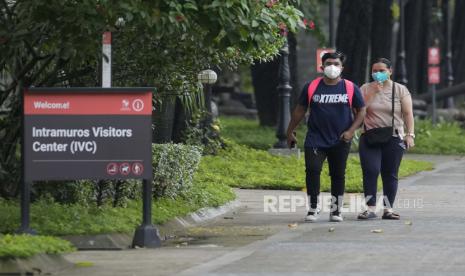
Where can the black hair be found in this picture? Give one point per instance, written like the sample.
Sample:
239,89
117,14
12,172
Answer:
335,55
382,60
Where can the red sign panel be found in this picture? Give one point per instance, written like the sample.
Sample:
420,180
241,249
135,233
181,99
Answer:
434,75
88,104
319,54
434,56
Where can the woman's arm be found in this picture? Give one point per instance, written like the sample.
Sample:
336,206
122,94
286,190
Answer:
407,114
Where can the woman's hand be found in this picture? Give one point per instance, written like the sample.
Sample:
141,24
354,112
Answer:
409,142
378,86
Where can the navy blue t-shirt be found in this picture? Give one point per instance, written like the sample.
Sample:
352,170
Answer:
330,113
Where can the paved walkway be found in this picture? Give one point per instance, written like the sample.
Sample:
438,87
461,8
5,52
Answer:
429,239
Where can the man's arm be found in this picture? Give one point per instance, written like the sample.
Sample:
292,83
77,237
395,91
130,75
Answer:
359,116
297,115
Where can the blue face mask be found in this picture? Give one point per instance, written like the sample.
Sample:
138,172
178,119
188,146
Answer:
380,76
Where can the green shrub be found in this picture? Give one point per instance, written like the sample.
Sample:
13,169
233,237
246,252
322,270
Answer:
87,192
200,132
64,191
174,166
23,246
173,169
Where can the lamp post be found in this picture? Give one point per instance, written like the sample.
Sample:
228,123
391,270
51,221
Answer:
449,102
208,78
284,89
401,69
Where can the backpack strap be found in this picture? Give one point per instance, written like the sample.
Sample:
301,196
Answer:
312,88
349,90
314,84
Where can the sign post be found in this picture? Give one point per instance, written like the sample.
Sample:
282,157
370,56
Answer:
89,133
434,76
106,59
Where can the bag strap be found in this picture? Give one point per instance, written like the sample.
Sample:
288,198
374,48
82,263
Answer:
312,88
393,95
349,90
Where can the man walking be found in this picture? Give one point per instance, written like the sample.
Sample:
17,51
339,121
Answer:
331,101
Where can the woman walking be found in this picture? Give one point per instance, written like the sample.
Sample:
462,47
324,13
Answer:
384,139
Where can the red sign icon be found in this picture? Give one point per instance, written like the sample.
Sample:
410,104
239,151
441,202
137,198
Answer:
112,168
137,168
138,105
125,169
434,56
434,75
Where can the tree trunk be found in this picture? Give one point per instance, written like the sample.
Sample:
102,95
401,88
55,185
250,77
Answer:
163,120
381,38
353,37
265,81
180,122
417,41
458,42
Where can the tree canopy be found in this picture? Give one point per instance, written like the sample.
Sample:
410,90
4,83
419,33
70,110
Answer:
162,43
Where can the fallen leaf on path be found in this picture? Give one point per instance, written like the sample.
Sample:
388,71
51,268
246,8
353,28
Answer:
408,222
377,231
292,225
331,229
84,264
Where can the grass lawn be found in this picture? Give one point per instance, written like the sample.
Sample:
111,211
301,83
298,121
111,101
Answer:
249,133
445,138
23,246
243,167
53,219
50,218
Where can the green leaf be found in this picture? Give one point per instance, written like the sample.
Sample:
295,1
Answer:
190,6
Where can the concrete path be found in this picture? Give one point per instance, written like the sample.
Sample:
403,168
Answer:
429,238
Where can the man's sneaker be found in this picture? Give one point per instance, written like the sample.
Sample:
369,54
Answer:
312,216
335,217
367,215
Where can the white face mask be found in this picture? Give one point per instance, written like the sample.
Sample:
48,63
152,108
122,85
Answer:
332,71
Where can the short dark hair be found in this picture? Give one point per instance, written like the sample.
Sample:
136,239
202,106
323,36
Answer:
335,55
382,60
